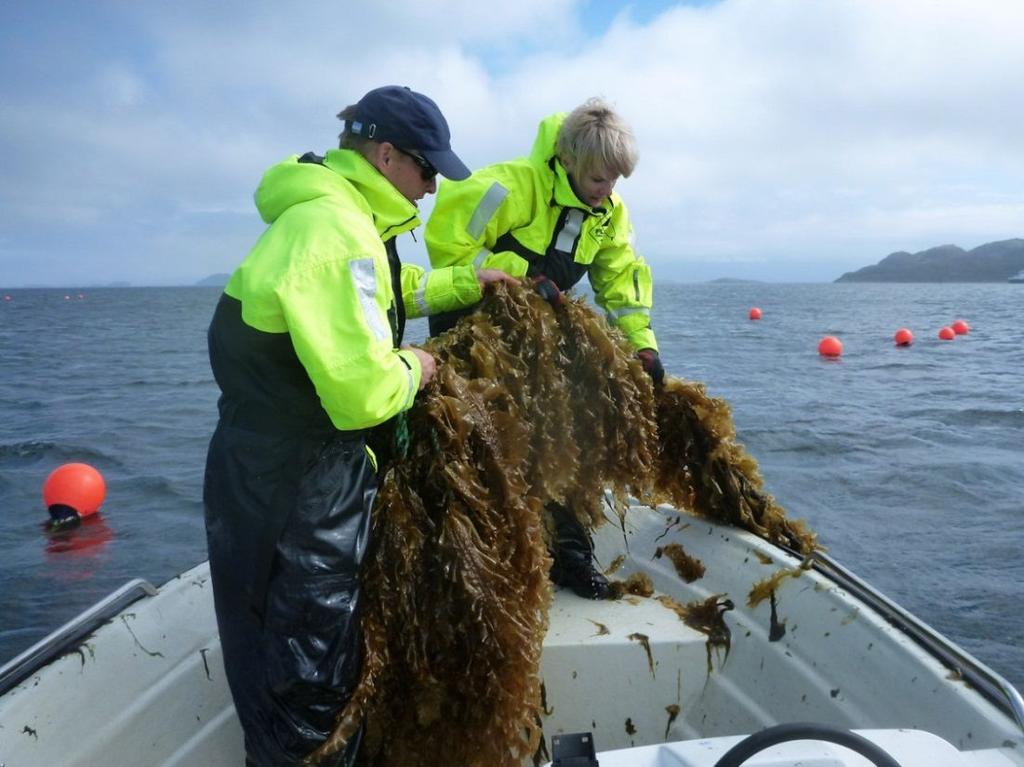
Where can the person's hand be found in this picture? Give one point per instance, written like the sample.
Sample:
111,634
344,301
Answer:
428,366
548,290
491,276
651,361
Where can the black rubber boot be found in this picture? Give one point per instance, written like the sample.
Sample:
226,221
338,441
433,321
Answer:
573,556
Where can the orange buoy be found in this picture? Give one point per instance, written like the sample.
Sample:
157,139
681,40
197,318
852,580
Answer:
960,327
947,333
73,491
755,313
903,337
830,346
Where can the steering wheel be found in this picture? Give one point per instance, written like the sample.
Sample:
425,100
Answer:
783,733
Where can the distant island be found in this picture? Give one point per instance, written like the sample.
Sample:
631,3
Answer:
993,262
215,280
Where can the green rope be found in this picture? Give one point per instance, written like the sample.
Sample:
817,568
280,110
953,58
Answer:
401,437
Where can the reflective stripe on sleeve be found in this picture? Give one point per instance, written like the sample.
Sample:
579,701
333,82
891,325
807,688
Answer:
618,314
571,230
478,262
420,297
365,277
486,209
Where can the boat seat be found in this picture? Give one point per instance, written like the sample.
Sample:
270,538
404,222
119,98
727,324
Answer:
633,645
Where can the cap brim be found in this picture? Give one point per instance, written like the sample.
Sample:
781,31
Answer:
447,163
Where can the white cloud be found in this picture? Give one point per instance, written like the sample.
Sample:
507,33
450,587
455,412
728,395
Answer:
790,129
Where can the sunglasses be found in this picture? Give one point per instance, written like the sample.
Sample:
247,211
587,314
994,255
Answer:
427,171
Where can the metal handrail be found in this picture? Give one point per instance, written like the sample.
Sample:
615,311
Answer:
997,690
70,635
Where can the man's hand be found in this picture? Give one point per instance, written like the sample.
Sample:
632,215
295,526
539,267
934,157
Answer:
651,361
548,290
428,366
491,276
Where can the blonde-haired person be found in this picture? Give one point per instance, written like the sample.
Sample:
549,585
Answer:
593,142
554,217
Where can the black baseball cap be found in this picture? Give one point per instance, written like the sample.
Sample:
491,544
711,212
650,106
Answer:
410,121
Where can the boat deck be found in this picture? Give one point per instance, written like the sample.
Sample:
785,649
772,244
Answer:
817,654
637,653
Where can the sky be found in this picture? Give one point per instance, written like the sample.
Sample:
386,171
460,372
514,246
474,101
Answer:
780,140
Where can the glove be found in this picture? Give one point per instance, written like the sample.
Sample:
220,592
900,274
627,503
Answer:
548,290
652,364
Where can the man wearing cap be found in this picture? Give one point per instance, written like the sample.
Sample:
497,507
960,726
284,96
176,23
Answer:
305,345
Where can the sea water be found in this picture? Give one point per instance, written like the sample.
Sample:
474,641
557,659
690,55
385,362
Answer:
906,461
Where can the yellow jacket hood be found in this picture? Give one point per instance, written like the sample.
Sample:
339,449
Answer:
296,180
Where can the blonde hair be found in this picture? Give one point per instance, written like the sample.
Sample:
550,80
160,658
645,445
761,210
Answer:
594,137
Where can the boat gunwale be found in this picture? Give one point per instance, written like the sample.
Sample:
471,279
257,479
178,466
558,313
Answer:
72,634
992,686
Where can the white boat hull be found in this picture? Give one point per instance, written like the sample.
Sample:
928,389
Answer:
148,687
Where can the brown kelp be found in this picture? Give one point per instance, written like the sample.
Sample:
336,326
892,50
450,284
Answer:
701,467
530,405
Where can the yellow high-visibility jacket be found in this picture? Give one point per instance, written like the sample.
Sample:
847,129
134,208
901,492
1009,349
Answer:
314,302
524,218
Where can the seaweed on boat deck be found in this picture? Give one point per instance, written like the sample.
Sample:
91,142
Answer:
616,564
645,642
529,407
688,568
767,587
637,584
673,711
707,617
602,630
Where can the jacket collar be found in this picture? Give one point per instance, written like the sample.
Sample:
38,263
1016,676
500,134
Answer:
392,213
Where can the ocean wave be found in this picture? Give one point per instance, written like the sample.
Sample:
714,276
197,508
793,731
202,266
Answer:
152,486
973,416
167,383
34,450
902,366
764,441
22,404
